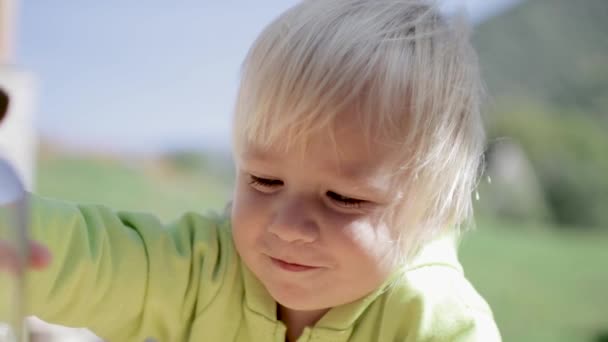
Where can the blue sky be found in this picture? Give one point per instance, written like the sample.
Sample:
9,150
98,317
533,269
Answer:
146,76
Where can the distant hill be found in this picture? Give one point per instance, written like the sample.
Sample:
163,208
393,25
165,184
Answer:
554,51
545,63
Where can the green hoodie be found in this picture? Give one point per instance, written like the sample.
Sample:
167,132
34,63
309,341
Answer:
129,277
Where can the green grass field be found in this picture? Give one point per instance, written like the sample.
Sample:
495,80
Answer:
544,284
154,187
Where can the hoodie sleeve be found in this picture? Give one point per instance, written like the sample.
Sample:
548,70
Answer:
125,276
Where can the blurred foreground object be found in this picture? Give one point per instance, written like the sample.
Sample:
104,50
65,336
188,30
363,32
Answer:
13,128
14,253
3,104
18,143
17,137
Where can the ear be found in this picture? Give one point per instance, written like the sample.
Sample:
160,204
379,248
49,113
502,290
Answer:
4,101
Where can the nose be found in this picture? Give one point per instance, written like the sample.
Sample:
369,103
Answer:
294,222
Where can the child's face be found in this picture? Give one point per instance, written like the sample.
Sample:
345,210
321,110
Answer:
313,227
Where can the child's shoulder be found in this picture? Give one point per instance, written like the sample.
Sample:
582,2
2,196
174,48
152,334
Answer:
435,294
436,273
443,291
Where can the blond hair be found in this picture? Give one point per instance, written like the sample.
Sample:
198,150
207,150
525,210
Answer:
406,73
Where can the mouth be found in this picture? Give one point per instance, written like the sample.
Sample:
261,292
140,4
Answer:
292,267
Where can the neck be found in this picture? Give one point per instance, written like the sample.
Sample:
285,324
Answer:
296,320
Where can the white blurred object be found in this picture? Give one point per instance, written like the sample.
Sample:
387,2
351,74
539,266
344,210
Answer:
42,331
18,143
18,139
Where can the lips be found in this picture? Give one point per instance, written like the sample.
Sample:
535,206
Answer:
292,267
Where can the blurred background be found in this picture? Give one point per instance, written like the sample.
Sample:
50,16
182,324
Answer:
129,105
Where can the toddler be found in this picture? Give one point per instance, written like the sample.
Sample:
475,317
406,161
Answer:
357,140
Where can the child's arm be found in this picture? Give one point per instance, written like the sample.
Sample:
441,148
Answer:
123,275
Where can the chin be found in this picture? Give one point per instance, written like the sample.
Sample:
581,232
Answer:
297,298
300,303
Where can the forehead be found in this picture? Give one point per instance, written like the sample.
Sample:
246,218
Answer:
344,150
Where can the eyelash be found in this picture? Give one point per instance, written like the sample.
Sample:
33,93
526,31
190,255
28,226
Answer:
264,182
344,201
347,202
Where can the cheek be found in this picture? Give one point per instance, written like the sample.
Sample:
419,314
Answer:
362,243
248,203
360,231
247,216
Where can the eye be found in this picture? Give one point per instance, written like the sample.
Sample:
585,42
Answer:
265,185
344,201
